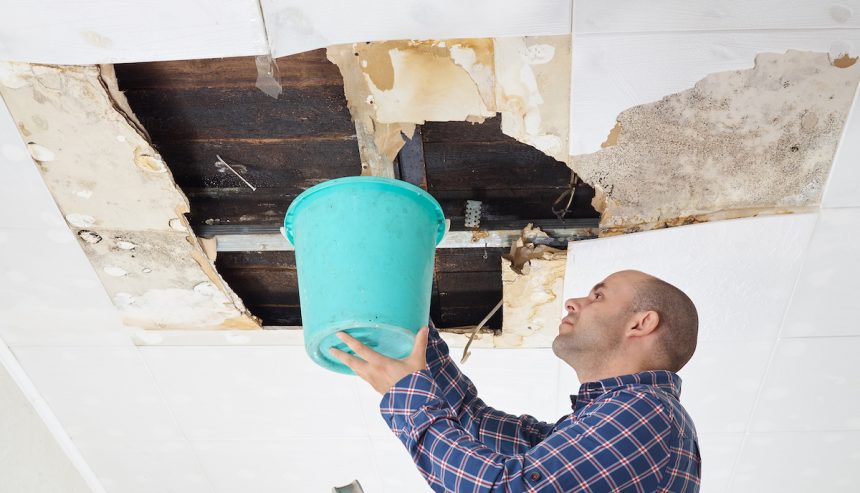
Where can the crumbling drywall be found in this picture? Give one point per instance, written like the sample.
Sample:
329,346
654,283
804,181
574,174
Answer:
739,143
118,197
393,85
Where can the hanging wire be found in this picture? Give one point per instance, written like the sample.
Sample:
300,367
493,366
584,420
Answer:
569,193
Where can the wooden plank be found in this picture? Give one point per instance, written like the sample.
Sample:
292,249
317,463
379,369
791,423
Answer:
310,68
264,286
495,165
468,315
277,314
241,205
289,165
240,113
488,131
468,260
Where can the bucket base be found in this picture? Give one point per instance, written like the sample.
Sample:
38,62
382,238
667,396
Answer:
389,340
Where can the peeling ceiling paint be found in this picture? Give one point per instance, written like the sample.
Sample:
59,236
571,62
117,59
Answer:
738,143
391,86
118,197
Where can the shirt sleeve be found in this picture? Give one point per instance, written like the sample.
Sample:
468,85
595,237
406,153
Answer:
502,432
619,441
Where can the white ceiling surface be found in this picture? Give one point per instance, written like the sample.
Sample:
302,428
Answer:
771,388
628,52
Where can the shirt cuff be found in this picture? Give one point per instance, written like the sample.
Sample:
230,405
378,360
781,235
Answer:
409,396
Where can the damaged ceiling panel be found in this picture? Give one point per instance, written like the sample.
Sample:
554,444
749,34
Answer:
118,196
199,110
393,86
737,144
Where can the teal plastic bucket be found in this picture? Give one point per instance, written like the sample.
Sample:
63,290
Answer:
365,249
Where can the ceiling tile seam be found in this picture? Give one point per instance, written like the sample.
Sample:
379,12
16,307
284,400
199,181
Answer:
47,416
854,111
768,30
771,356
173,417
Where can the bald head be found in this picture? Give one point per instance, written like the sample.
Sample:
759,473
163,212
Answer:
679,320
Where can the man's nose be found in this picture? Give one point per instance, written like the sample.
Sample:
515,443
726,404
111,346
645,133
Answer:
572,305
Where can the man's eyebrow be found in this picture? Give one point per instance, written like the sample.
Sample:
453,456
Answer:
600,285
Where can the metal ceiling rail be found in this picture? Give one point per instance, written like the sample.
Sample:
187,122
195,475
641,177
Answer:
255,238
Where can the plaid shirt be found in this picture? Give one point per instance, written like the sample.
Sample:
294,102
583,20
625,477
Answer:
626,433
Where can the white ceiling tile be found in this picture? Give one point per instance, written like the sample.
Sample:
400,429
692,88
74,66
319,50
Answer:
708,383
844,182
568,384
515,381
254,393
99,393
64,327
130,466
718,451
799,462
25,201
597,16
296,465
94,31
397,472
825,299
811,384
614,72
295,26
35,270
739,273
369,400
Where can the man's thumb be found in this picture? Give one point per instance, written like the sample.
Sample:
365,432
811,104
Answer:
420,348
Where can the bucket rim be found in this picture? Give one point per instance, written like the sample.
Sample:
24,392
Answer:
396,184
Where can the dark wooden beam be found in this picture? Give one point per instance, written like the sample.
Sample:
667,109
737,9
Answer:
411,160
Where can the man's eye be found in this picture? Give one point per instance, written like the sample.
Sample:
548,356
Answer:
596,295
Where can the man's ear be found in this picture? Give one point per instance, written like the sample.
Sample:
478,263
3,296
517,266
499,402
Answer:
644,323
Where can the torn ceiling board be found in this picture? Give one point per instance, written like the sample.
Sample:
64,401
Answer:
295,26
118,197
60,32
613,72
391,86
532,302
737,144
597,16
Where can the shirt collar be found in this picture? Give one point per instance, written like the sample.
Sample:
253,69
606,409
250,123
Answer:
665,380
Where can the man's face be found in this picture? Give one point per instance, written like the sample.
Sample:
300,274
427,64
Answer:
594,325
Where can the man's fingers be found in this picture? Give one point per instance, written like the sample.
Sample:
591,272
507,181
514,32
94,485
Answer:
360,349
355,364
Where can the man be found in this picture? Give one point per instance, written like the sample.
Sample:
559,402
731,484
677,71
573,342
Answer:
627,432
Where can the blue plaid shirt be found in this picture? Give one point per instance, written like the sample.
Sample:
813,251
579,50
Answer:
626,433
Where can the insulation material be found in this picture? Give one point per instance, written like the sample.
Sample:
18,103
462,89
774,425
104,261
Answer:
738,143
393,85
118,197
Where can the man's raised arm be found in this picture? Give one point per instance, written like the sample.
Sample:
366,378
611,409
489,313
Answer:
504,433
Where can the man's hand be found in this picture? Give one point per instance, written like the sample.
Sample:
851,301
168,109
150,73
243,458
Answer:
378,370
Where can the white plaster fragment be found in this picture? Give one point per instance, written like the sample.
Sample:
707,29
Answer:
84,194
125,245
176,224
80,220
115,271
41,153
